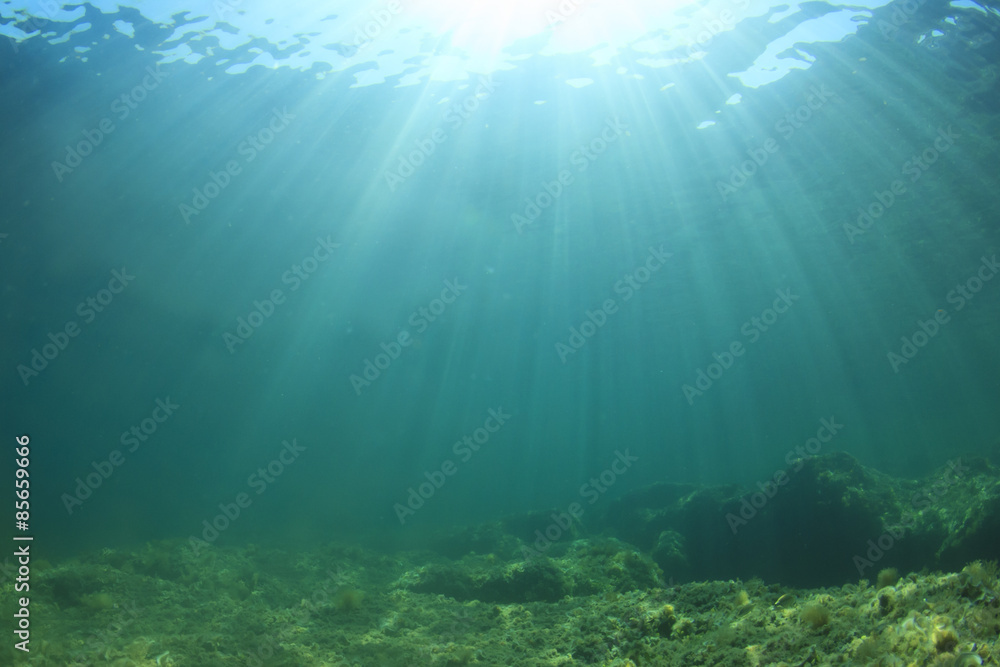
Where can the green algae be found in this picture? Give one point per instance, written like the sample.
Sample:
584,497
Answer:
257,606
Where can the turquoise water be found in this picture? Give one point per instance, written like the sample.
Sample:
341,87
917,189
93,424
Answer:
337,274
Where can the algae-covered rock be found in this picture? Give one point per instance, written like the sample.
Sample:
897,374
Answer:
539,580
670,553
586,567
823,520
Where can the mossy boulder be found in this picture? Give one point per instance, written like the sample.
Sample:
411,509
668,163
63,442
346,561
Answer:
823,520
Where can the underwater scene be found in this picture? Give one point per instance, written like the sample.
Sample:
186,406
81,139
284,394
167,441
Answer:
536,333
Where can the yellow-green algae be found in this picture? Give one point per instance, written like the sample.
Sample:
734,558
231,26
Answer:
346,606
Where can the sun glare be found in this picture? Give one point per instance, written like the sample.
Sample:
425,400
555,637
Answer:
474,25
491,26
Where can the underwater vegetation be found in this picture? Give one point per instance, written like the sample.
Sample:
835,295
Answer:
887,577
477,597
340,605
348,600
815,616
833,521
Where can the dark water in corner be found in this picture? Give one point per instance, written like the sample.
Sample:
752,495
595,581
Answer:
485,259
